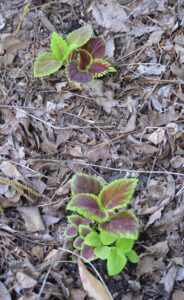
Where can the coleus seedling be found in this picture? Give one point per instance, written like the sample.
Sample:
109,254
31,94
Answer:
102,228
81,55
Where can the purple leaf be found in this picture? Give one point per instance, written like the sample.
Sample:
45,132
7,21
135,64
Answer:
124,224
118,193
83,183
74,74
76,220
71,231
88,206
87,252
84,230
100,67
85,59
95,46
78,243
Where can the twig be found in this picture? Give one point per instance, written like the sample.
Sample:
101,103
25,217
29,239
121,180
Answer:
80,162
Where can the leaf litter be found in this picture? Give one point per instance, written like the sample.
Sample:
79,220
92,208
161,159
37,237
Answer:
128,124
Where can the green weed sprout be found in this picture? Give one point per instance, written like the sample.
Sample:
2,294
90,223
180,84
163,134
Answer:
81,55
102,228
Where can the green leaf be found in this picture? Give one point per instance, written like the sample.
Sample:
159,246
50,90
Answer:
46,64
107,238
102,252
116,261
59,46
79,37
125,245
92,239
133,257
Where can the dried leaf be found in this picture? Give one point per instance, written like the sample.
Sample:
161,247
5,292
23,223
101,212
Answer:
169,279
111,16
76,294
10,170
92,286
32,218
25,281
10,45
177,162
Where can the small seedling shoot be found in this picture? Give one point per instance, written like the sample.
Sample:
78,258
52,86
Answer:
101,227
81,56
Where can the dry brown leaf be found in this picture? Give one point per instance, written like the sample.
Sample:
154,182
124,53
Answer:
111,16
32,218
10,170
177,162
92,286
147,264
169,279
160,249
76,294
157,136
178,295
38,252
25,281
155,216
10,45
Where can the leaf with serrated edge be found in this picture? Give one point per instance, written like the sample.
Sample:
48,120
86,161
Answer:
95,46
133,257
71,231
125,245
100,67
88,206
117,194
46,64
92,239
102,252
76,220
116,261
59,46
83,183
84,230
92,286
85,58
78,243
80,36
75,75
123,224
87,252
107,238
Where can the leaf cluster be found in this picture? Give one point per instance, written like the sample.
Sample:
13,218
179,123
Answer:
103,228
81,55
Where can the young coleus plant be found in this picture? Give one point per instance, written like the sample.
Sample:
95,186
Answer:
103,228
81,55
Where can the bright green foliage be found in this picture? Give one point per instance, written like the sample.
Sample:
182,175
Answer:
133,257
59,46
46,64
102,252
79,37
116,261
81,56
102,232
